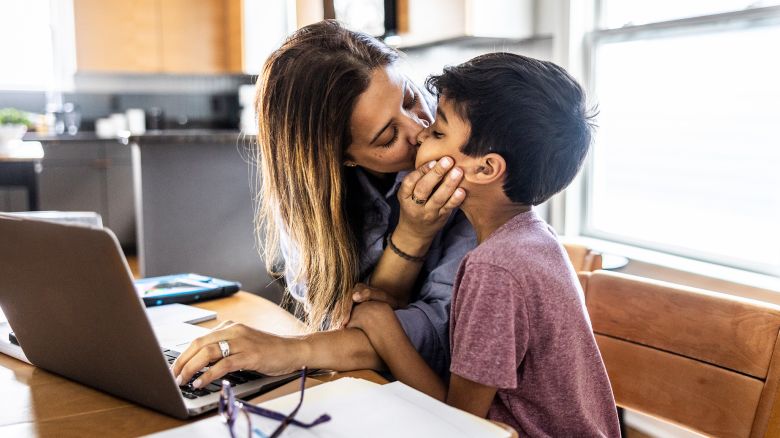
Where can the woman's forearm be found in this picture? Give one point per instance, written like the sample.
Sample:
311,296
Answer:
426,199
339,350
395,274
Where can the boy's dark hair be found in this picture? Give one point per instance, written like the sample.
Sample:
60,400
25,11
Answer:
530,112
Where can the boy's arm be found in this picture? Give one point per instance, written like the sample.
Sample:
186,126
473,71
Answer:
389,340
470,396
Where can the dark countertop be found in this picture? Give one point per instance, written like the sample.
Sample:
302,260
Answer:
81,137
200,136
216,136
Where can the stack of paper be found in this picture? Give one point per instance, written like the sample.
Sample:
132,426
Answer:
6,347
359,408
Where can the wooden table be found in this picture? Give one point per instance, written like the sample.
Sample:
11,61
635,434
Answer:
21,167
34,402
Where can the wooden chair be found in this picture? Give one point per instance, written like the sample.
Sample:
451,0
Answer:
582,258
584,261
703,360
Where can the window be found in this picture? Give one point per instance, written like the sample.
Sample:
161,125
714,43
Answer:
38,45
619,13
687,153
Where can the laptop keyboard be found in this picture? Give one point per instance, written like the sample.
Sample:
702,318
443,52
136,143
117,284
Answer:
235,378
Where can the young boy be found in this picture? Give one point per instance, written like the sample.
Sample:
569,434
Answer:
522,347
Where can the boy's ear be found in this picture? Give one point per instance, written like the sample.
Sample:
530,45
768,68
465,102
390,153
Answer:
487,169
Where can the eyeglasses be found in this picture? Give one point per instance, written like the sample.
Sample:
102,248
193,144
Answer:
235,414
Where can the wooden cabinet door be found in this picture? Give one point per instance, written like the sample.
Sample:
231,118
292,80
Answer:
117,35
201,36
154,36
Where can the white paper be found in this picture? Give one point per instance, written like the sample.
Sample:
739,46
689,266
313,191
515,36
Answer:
469,424
361,409
6,347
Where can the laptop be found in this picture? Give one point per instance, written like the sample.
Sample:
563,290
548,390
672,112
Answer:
68,293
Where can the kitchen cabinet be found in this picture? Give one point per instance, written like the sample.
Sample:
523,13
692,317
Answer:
13,199
427,21
117,35
120,203
95,176
202,36
197,208
158,36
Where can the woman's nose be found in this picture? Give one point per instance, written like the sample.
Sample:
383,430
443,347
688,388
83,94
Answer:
422,136
414,127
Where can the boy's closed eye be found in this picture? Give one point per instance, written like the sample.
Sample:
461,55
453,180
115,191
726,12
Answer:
435,129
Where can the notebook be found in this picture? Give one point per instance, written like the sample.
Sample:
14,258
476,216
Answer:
359,408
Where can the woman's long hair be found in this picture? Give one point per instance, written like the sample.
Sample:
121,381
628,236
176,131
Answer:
305,100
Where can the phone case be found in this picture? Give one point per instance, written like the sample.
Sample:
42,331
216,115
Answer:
183,288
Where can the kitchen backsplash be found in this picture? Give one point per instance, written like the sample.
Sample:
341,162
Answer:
186,101
211,101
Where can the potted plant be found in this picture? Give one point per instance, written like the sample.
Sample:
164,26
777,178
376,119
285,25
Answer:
13,125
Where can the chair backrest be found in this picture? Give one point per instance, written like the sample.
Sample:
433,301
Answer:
703,360
582,257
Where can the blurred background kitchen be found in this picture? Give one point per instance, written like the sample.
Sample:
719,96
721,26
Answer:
142,112
684,165
686,148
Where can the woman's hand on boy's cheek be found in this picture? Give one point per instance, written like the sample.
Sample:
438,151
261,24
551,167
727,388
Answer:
362,293
427,197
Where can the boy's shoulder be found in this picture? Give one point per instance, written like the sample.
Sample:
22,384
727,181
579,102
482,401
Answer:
524,241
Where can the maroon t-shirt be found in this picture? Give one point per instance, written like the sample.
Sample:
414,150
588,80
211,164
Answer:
518,323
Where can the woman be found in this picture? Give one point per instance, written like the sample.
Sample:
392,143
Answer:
338,127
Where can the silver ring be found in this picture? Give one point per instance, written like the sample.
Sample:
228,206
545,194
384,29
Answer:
418,201
224,347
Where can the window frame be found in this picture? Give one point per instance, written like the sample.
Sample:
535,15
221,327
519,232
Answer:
580,202
62,33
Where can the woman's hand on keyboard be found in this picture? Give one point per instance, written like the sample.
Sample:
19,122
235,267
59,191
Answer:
250,349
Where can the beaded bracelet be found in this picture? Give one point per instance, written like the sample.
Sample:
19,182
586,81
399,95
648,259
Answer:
402,254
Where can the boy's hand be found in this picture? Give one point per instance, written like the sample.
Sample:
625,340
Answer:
362,293
370,315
